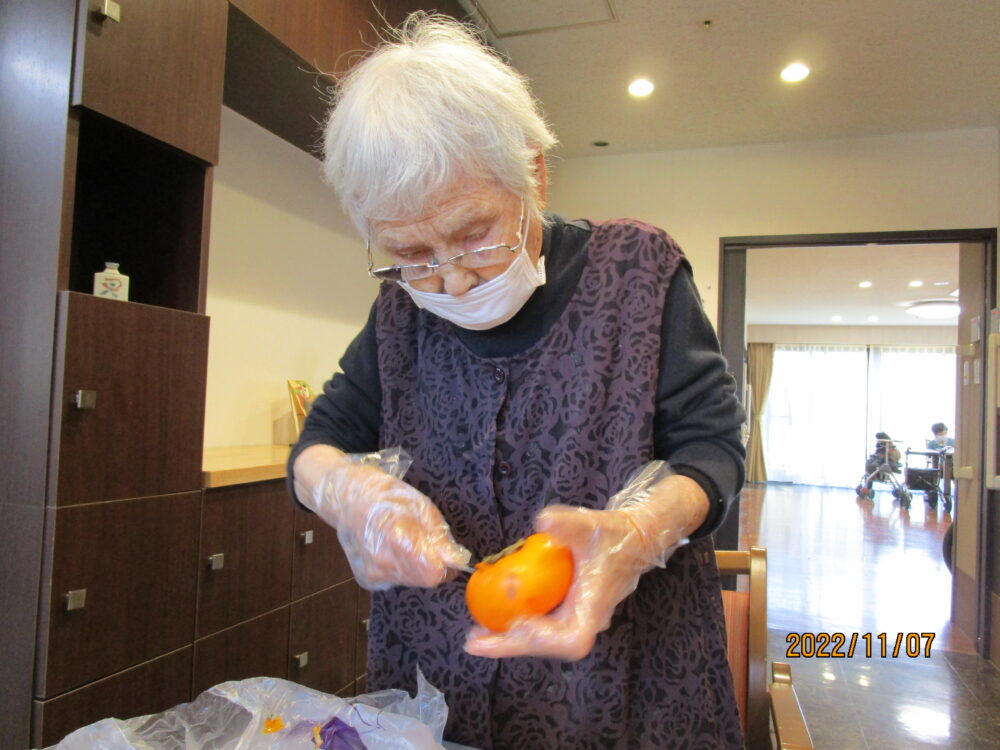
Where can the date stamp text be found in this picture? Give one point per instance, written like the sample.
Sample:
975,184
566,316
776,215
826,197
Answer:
849,645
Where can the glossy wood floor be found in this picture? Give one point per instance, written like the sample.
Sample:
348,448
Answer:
838,564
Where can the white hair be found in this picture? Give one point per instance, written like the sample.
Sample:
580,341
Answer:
431,107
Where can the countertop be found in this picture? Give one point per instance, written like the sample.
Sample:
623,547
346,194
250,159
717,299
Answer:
241,464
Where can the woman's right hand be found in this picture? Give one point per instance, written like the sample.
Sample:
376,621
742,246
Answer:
392,534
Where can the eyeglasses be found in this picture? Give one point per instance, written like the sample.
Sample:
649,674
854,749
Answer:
479,258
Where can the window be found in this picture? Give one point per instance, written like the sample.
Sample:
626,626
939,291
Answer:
827,402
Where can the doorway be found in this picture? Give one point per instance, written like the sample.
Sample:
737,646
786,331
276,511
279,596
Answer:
975,604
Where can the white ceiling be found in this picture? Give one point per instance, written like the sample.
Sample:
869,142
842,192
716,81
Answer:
809,285
878,67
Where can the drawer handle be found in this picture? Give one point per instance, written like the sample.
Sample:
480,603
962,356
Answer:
307,536
365,623
302,659
110,9
216,561
76,599
85,399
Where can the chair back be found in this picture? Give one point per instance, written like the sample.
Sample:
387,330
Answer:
746,639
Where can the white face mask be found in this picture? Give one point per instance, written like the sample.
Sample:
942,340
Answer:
491,303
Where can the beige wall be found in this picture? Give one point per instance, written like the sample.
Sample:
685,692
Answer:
855,335
944,180
287,288
286,284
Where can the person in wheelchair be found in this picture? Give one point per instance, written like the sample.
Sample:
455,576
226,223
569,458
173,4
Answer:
940,441
936,478
884,461
882,466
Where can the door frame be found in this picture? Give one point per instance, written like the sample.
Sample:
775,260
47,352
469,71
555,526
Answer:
732,337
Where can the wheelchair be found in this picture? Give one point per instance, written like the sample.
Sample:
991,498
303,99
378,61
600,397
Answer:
927,478
884,466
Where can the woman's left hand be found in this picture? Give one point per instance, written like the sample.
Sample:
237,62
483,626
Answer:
609,553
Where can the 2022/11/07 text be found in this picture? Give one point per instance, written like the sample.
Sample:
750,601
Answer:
846,645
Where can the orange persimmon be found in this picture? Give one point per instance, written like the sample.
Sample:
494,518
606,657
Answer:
528,578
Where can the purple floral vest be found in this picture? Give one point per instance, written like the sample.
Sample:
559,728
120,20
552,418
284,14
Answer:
496,440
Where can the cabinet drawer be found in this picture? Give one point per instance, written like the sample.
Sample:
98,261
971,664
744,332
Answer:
145,689
322,642
145,367
122,588
256,648
250,526
364,612
158,68
318,560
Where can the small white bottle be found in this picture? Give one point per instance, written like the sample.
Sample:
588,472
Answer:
111,284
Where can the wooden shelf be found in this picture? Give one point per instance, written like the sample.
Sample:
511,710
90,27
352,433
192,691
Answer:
243,464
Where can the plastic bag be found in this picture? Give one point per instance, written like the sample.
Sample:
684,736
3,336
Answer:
267,713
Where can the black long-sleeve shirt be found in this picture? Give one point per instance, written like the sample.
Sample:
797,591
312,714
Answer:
698,417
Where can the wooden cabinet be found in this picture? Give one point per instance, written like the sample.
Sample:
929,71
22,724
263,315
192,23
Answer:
110,127
318,560
324,34
361,660
255,648
125,514
246,554
156,67
131,404
322,640
141,204
147,688
122,588
116,591
281,600
280,56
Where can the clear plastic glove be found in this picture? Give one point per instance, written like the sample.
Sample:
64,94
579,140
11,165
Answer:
611,548
392,534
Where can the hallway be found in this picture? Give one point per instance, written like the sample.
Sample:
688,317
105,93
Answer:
838,564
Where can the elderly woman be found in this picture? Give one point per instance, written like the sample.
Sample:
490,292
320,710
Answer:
529,366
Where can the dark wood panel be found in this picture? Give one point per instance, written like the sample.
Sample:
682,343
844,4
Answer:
323,628
324,34
276,52
146,689
37,43
271,85
148,366
318,560
256,648
158,70
136,560
141,204
364,612
251,526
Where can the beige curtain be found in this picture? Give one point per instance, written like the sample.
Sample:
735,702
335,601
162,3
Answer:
760,360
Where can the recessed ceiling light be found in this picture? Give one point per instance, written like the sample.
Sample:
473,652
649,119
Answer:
794,73
599,144
916,282
640,87
864,284
836,318
934,309
941,283
872,318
